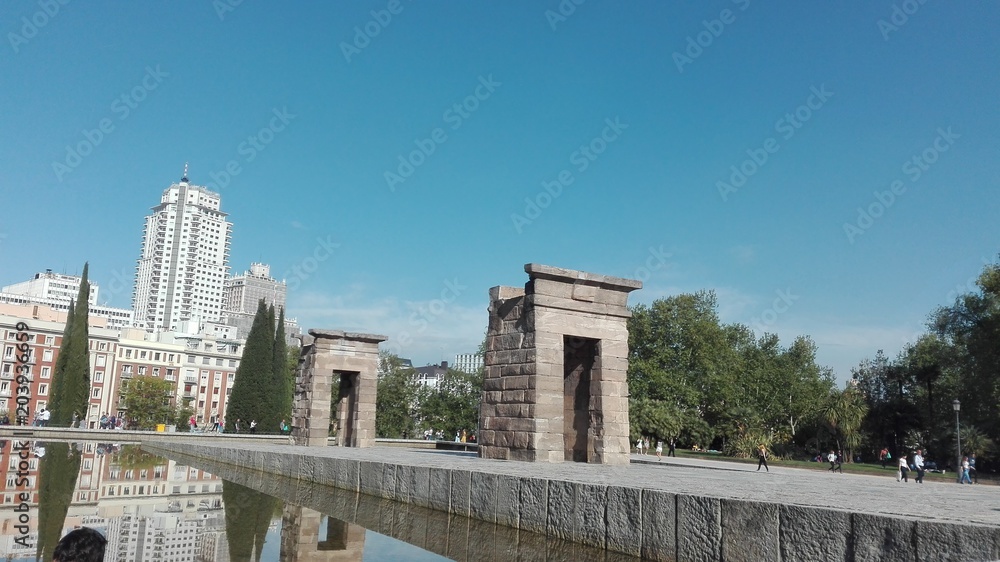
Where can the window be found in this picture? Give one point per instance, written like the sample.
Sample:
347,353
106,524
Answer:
191,359
43,390
218,361
128,354
170,357
101,361
142,370
98,376
127,370
218,376
206,360
215,390
47,355
142,354
232,362
231,377
103,346
9,353
46,372
50,340
96,394
156,356
156,371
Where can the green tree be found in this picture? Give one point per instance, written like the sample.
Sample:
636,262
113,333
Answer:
844,412
70,389
253,394
148,401
454,404
281,378
397,403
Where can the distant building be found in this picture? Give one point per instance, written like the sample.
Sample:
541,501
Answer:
431,375
468,362
184,260
56,291
241,293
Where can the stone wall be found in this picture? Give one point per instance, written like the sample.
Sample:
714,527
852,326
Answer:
654,524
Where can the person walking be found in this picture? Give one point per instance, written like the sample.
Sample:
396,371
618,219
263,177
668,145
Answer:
762,458
253,426
638,446
903,469
659,450
972,469
965,471
834,462
672,448
645,446
883,456
918,465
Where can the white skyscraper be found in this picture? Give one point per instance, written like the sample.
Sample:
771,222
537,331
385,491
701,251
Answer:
184,262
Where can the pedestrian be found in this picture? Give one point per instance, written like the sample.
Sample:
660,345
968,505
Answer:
835,462
104,420
645,445
283,428
76,419
965,471
638,446
659,450
215,425
762,458
918,465
193,422
883,455
253,426
672,448
237,425
112,422
903,469
972,469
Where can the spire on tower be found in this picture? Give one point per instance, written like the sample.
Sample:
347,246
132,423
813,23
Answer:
185,178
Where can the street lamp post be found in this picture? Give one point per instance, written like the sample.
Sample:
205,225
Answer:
956,405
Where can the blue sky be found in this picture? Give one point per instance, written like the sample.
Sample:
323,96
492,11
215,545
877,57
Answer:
646,110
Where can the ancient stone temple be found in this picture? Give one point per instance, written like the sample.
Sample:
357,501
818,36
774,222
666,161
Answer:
556,359
336,368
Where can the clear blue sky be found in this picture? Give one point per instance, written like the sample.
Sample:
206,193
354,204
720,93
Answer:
197,85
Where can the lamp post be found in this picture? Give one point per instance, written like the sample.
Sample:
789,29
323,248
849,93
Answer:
956,405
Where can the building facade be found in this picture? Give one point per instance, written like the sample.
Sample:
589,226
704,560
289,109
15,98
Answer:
468,362
184,260
57,291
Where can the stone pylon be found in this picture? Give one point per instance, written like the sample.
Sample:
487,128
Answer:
336,368
556,361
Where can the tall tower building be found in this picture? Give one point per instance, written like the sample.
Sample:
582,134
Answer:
184,263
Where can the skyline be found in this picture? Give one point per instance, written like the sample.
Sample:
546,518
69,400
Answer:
828,173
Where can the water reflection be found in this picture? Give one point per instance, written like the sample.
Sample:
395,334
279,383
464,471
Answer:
154,508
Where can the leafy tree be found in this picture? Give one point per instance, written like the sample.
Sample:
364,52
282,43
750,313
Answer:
70,389
148,401
282,379
844,412
253,396
454,404
397,403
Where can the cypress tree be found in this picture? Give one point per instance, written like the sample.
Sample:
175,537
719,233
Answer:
71,383
57,474
279,376
252,395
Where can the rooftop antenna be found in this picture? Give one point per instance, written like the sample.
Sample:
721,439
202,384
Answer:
185,178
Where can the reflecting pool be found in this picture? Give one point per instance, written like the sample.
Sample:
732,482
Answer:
186,509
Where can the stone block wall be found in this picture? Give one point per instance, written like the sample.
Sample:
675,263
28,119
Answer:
532,332
654,524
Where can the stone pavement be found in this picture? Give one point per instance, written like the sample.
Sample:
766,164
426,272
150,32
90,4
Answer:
875,495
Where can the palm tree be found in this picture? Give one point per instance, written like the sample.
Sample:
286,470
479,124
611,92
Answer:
844,412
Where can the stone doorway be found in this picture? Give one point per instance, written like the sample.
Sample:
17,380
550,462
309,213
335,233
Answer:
347,403
579,359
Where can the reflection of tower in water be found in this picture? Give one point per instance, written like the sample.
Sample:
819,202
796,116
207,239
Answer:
301,540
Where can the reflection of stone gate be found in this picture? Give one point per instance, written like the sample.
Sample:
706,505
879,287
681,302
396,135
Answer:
345,362
300,537
556,359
